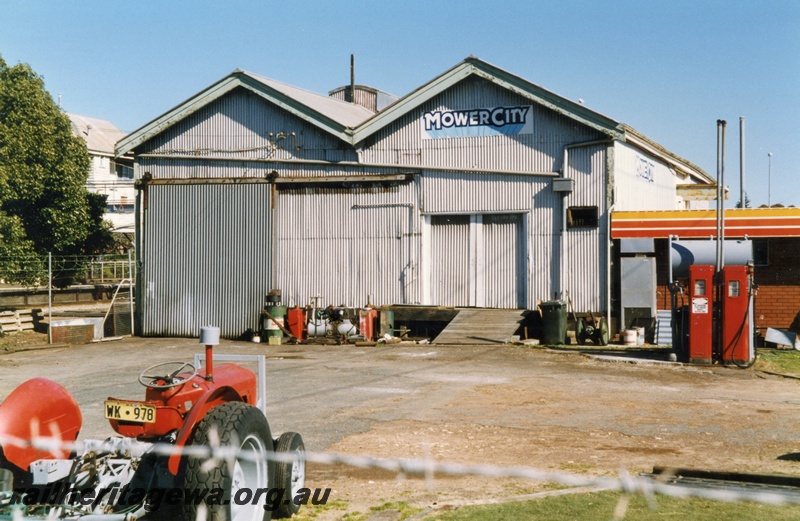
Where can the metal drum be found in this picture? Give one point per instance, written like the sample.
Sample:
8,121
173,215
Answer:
271,327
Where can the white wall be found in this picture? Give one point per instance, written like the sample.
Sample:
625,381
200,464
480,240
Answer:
642,182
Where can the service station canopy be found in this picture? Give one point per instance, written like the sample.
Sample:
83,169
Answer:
739,223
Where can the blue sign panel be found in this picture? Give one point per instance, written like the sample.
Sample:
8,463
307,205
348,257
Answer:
478,122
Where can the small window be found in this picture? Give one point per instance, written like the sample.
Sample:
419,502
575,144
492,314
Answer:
449,219
761,252
582,217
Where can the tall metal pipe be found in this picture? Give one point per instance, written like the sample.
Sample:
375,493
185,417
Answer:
722,200
719,190
741,162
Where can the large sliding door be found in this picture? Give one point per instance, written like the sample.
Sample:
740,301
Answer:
478,260
450,266
504,260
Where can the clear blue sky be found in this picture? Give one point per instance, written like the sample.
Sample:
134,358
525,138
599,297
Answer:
670,69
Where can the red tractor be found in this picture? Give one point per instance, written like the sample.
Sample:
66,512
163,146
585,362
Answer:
139,472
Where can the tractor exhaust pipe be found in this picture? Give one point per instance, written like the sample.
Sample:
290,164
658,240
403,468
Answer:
209,336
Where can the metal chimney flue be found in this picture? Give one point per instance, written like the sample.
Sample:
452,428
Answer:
351,94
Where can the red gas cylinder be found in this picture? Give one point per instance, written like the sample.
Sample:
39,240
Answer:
366,322
296,321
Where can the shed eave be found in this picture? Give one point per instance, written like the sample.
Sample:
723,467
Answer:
554,102
216,91
683,166
176,114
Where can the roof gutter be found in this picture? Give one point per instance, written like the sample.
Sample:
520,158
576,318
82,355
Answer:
348,164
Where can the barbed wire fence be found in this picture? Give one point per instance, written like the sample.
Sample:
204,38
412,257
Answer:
427,468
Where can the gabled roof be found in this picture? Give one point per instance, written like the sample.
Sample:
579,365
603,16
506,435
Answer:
331,115
347,114
353,124
474,66
100,135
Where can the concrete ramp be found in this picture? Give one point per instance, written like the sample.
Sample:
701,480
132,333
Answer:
481,326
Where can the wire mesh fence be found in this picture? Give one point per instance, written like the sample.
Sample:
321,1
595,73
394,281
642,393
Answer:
63,270
100,287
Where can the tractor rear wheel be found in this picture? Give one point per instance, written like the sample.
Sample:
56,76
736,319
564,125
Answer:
602,335
580,331
290,475
237,425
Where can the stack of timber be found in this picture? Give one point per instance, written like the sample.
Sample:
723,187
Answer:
15,321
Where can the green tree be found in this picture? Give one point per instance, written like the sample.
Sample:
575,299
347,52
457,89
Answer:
44,204
746,202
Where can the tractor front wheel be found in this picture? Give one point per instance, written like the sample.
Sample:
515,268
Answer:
239,425
290,476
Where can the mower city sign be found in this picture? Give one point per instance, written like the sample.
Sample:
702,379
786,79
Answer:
478,122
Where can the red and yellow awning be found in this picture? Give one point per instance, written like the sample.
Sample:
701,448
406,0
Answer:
750,222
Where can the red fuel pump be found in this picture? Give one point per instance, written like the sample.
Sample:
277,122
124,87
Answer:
736,328
701,307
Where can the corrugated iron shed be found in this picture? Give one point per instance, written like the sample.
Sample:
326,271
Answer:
281,187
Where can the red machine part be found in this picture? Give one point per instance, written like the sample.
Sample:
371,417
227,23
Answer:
701,286
296,321
367,319
735,314
38,407
175,405
181,408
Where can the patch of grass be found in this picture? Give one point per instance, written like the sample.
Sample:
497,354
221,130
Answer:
601,507
779,361
11,342
577,468
404,508
309,512
524,488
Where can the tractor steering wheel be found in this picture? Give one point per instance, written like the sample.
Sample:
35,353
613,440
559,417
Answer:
170,379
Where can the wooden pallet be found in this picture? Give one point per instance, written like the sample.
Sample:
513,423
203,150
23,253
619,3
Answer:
16,320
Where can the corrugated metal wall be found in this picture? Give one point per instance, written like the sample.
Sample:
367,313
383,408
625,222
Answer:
206,258
346,244
365,96
584,269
